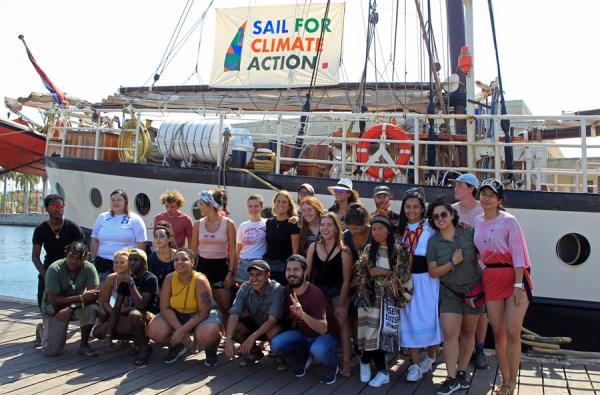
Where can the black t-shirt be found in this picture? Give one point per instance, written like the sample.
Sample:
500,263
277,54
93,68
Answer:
159,268
148,283
279,240
44,236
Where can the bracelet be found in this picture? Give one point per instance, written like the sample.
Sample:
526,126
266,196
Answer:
452,263
82,302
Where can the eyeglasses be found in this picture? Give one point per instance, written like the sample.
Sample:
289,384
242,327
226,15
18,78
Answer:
442,215
56,206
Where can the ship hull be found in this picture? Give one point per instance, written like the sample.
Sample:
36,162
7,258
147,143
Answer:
564,295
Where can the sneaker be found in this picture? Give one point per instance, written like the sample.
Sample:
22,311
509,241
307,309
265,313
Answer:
449,386
380,379
252,358
174,353
414,373
210,356
463,379
426,364
365,372
480,360
301,372
330,376
143,357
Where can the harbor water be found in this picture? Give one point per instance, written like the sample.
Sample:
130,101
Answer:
18,276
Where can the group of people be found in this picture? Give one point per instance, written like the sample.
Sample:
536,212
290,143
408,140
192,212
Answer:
307,281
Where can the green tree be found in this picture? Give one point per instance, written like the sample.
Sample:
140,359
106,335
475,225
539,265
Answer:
6,177
26,182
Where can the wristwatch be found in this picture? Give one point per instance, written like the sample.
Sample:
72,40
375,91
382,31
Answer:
73,306
519,285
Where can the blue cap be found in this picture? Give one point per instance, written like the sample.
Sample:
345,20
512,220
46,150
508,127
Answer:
469,179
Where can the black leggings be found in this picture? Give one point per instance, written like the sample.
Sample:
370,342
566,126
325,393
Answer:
377,356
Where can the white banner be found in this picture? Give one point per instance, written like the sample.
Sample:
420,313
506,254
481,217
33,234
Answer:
276,46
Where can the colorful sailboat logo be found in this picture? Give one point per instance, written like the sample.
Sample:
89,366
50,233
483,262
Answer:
233,58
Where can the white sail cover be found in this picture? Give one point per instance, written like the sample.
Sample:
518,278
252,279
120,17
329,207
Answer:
276,46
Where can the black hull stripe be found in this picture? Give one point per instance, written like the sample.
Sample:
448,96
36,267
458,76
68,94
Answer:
531,200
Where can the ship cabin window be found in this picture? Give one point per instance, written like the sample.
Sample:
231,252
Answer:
196,210
573,249
60,190
95,197
142,203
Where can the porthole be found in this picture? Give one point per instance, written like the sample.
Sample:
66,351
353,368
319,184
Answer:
573,249
95,197
60,190
142,203
196,210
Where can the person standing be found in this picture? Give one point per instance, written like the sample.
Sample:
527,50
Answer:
452,257
311,210
214,240
53,235
304,190
467,208
283,238
330,269
255,313
358,233
344,196
383,288
181,223
313,328
382,197
71,292
419,320
251,238
506,282
115,230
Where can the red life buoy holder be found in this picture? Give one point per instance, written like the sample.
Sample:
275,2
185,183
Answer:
392,132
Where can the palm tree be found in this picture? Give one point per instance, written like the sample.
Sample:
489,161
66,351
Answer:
6,177
26,182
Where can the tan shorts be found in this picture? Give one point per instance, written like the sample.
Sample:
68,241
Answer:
451,303
54,335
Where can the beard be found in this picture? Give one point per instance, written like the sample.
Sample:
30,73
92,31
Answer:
295,282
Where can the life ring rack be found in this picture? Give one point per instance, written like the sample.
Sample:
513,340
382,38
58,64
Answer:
389,131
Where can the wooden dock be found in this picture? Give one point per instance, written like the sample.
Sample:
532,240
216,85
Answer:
23,369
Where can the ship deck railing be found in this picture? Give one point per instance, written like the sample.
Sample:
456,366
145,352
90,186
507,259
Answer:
282,126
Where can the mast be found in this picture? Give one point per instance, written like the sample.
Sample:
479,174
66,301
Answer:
455,19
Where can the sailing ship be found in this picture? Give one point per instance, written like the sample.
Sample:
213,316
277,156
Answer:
305,127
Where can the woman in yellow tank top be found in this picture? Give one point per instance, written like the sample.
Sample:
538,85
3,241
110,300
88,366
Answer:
186,306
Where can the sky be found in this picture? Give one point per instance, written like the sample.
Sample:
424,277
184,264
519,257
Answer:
90,49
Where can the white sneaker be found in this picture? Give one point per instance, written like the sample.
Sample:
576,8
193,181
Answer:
426,364
365,372
380,379
414,373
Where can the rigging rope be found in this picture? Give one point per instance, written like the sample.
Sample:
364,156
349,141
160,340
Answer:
504,123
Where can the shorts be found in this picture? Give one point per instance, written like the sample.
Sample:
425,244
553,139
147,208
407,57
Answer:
453,304
331,292
215,270
242,270
214,317
499,280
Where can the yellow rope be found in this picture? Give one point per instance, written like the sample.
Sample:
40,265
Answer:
127,141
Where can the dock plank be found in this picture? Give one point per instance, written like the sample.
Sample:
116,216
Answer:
24,369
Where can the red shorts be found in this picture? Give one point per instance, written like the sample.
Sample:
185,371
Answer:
498,282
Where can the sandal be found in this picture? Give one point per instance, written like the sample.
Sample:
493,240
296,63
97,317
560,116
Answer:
504,389
87,351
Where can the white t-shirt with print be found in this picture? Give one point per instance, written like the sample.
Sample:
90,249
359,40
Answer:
252,237
117,232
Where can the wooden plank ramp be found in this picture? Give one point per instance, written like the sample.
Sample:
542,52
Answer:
25,370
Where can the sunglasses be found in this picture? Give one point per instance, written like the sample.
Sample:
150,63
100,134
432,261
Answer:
442,215
56,206
340,190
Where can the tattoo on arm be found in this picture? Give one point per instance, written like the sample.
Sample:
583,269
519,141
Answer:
205,298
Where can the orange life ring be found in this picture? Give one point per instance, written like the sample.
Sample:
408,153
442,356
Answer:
392,132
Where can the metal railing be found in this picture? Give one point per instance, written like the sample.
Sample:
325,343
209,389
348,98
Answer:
417,122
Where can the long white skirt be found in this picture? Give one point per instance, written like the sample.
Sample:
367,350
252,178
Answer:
419,320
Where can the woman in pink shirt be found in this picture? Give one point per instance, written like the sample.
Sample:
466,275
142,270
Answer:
502,248
214,240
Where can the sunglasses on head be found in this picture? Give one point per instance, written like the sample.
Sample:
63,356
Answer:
442,215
